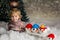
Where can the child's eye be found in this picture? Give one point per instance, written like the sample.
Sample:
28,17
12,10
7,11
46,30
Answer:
15,16
12,17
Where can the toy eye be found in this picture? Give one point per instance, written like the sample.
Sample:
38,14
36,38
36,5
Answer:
33,29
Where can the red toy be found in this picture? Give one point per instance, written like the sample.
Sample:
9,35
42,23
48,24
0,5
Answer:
51,36
29,27
42,27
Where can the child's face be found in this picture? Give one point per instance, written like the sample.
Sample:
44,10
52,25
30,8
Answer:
15,17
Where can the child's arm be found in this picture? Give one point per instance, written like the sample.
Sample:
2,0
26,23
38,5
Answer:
22,27
9,27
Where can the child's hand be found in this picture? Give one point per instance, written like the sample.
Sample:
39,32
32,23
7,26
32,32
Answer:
17,29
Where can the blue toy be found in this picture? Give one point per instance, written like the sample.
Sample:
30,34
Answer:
35,28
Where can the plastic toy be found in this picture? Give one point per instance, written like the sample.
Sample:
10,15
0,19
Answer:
51,36
42,27
29,27
35,28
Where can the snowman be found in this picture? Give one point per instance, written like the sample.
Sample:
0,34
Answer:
29,28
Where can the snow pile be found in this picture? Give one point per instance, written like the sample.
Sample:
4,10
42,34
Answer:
14,35
4,37
54,26
20,36
2,30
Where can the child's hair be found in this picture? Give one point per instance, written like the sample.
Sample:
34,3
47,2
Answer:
15,11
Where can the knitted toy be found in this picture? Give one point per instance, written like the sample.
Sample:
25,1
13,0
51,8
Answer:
51,36
29,27
35,28
43,27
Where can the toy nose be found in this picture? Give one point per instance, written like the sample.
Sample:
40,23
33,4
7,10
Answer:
42,30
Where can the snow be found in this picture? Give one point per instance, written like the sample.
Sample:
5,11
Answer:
2,30
12,35
4,37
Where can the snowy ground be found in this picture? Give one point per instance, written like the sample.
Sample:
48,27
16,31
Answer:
53,24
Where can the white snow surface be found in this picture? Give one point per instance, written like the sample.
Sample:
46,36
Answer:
12,35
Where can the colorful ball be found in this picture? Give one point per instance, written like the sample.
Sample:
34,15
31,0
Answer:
35,26
29,25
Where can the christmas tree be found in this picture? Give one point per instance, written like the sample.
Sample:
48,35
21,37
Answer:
7,5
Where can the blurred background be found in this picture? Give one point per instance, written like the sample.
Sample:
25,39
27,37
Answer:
45,9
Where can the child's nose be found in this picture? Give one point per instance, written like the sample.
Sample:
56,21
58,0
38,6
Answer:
14,17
